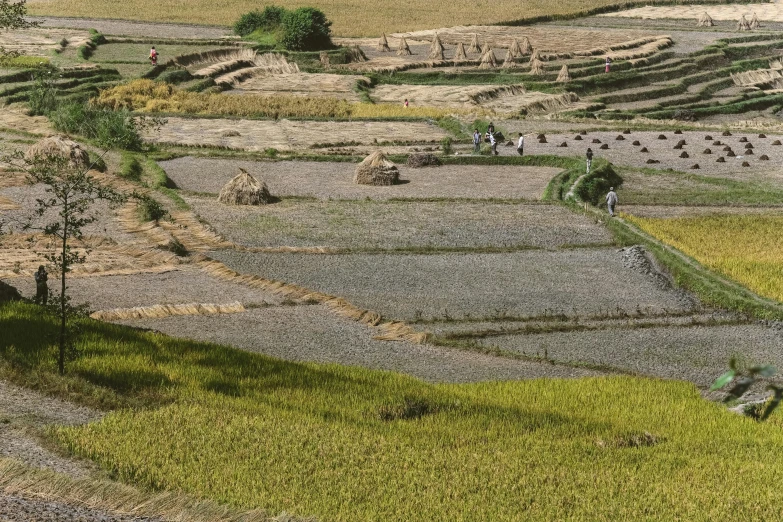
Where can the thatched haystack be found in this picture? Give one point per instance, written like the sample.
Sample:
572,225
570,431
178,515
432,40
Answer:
474,45
754,21
514,50
460,55
244,189
376,170
742,24
323,56
383,44
403,49
417,161
436,48
536,66
488,60
509,59
705,20
59,147
525,47
564,75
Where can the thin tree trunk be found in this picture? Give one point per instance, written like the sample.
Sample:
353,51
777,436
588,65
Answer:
63,267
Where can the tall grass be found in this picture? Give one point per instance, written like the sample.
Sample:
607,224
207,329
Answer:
746,248
346,443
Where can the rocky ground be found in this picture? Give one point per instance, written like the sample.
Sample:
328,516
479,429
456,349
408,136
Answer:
331,180
15,508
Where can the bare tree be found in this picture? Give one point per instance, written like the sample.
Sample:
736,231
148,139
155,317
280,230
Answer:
67,208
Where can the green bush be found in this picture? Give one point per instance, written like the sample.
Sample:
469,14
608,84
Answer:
306,29
175,76
445,144
267,20
111,129
43,96
130,168
596,184
150,209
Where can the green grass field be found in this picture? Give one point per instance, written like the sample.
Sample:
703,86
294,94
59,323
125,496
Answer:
335,442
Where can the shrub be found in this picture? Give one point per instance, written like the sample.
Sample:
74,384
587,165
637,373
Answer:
43,96
266,20
684,115
130,168
306,29
109,128
445,144
175,76
150,209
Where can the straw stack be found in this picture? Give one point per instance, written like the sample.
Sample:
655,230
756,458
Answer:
488,60
564,75
436,48
244,189
460,55
383,44
514,50
376,170
525,47
474,45
754,22
742,24
59,147
403,49
705,20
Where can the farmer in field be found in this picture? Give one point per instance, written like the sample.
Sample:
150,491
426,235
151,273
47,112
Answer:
41,286
611,201
493,143
589,157
521,144
405,103
476,141
490,129
608,63
153,56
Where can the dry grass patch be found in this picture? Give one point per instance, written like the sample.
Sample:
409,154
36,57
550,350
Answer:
41,42
339,86
770,12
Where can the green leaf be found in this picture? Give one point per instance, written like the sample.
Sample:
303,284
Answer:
723,380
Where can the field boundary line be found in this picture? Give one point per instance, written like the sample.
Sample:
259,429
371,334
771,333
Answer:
159,311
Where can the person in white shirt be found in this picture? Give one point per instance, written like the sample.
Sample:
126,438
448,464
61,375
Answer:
611,201
521,144
493,143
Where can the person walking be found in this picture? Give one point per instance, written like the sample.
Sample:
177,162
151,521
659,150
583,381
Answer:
476,141
608,63
41,286
493,144
589,157
153,56
611,201
521,144
405,103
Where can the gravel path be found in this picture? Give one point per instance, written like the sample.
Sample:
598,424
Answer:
129,28
625,153
334,180
583,281
187,285
312,333
698,354
20,509
396,225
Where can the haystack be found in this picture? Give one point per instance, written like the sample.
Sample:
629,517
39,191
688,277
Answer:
436,48
376,170
244,189
460,54
474,45
488,60
403,49
59,147
754,22
526,48
323,56
705,20
509,60
514,50
383,44
742,24
417,161
536,66
564,76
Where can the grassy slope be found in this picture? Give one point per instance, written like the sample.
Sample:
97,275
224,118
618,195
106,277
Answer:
305,438
350,17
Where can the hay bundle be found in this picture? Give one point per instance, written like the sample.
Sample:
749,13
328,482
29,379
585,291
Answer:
59,147
695,166
376,170
514,50
525,47
417,161
244,189
643,149
564,76
742,24
509,59
536,66
474,45
705,20
460,55
488,60
403,49
764,157
754,21
383,44
436,48
720,160
323,56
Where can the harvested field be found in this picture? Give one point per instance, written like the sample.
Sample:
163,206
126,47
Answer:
325,180
625,153
511,98
131,28
312,333
302,84
697,353
183,286
17,119
405,287
768,12
665,211
258,135
138,52
400,225
41,42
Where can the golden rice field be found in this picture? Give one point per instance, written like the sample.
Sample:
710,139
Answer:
155,97
350,17
748,249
